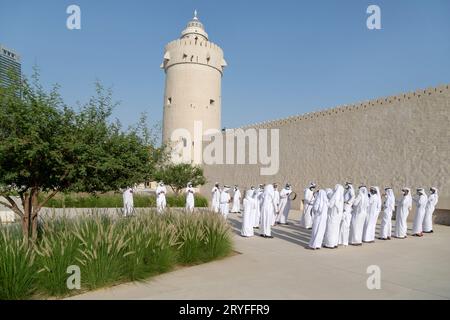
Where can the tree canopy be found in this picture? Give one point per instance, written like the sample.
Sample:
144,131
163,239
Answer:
47,146
177,176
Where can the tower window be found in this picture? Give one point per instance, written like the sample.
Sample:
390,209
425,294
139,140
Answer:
184,142
169,101
212,102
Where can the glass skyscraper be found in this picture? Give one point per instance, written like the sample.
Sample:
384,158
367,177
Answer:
9,64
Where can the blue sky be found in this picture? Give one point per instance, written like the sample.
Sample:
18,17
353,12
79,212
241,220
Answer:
284,57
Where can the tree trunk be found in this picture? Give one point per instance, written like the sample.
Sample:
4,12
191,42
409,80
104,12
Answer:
30,214
34,214
26,203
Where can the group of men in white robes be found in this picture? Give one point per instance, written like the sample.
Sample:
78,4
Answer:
264,207
341,218
221,199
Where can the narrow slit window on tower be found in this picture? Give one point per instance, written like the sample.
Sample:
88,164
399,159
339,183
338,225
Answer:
184,142
169,101
211,102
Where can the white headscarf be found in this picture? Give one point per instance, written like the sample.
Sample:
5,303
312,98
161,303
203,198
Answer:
408,197
338,196
268,190
390,199
321,201
436,193
364,197
329,193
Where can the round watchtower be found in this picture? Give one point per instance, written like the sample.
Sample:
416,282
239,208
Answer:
194,67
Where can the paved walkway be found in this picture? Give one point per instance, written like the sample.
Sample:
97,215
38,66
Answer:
281,268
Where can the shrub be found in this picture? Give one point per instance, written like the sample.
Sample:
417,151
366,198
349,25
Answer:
108,249
74,200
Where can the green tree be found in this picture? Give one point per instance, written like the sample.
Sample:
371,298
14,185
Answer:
47,147
177,176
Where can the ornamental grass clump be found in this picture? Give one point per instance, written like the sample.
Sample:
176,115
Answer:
17,265
107,248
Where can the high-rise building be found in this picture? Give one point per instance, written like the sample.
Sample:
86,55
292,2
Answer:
194,67
9,65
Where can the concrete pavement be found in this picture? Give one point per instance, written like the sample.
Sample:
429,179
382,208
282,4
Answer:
282,268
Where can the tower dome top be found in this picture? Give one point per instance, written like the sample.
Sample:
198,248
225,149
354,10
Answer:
194,28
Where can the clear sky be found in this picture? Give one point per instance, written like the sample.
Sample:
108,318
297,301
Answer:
284,57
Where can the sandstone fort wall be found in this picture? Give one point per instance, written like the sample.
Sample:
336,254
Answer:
396,141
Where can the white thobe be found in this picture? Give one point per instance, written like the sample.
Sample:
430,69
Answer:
307,219
190,201
421,203
344,232
267,211
224,203
247,216
285,206
370,222
215,199
401,216
236,202
320,212
128,202
335,213
429,210
359,214
161,198
276,200
386,219
258,203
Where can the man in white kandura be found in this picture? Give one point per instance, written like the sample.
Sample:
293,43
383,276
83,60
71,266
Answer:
258,202
261,196
267,211
429,210
236,200
225,201
349,198
128,202
161,197
335,213
277,203
285,205
190,201
421,202
308,200
320,214
359,214
386,219
401,214
373,212
248,219
215,202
